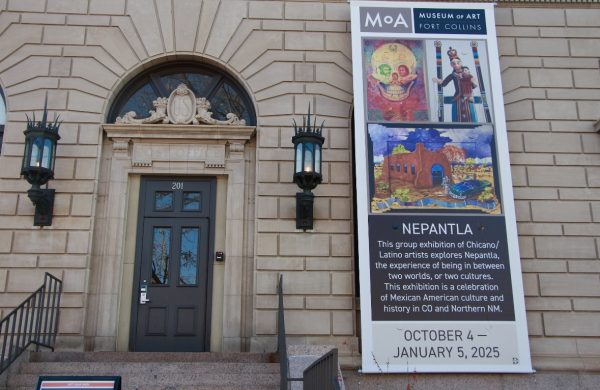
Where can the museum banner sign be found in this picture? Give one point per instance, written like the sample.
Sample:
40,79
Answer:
440,276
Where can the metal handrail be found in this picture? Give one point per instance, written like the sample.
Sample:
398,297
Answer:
35,321
323,373
281,343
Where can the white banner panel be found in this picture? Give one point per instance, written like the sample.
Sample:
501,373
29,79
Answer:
440,275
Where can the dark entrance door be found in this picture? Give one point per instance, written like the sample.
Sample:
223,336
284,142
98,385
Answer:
437,175
173,271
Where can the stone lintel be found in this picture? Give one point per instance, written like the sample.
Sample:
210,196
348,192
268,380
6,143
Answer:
205,133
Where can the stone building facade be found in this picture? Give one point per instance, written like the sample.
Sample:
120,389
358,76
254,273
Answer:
80,54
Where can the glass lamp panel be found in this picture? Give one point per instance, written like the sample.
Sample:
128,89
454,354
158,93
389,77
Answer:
298,157
308,157
53,160
36,150
317,158
26,153
47,154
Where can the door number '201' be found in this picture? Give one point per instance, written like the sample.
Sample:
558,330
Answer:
177,185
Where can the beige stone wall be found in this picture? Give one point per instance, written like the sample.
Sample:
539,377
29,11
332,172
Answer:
551,81
287,55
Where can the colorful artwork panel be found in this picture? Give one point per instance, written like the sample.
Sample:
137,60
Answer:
395,80
459,82
427,168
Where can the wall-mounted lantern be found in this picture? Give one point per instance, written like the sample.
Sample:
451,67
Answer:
41,139
307,172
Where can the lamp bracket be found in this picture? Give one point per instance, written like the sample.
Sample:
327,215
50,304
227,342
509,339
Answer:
304,210
43,199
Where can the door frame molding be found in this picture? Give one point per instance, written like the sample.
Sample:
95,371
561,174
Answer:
130,151
212,181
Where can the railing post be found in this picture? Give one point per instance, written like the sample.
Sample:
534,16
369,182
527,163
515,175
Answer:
40,309
56,309
323,373
281,342
34,321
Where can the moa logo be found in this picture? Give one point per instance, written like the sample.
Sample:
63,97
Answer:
383,19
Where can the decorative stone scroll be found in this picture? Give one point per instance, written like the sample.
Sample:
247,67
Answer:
182,107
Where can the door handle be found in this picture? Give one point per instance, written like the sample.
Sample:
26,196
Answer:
143,298
144,294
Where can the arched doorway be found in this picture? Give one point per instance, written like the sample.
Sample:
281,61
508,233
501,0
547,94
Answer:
179,192
437,175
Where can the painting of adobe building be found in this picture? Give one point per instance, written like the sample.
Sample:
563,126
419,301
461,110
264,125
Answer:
432,169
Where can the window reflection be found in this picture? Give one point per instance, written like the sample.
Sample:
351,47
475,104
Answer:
188,258
227,100
191,201
2,117
140,102
163,200
161,251
2,109
200,84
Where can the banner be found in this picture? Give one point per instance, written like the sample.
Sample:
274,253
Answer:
440,276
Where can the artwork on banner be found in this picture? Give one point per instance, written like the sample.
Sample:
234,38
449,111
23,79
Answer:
459,83
429,168
395,79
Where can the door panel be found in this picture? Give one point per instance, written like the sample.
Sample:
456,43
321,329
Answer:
173,266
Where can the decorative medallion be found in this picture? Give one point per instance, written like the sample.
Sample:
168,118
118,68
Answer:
182,107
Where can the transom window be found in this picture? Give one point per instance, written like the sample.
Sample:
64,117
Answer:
223,92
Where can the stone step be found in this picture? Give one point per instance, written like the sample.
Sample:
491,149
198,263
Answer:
155,371
147,368
179,387
230,357
178,381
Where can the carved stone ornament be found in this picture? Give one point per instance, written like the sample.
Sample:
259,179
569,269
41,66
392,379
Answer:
182,107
